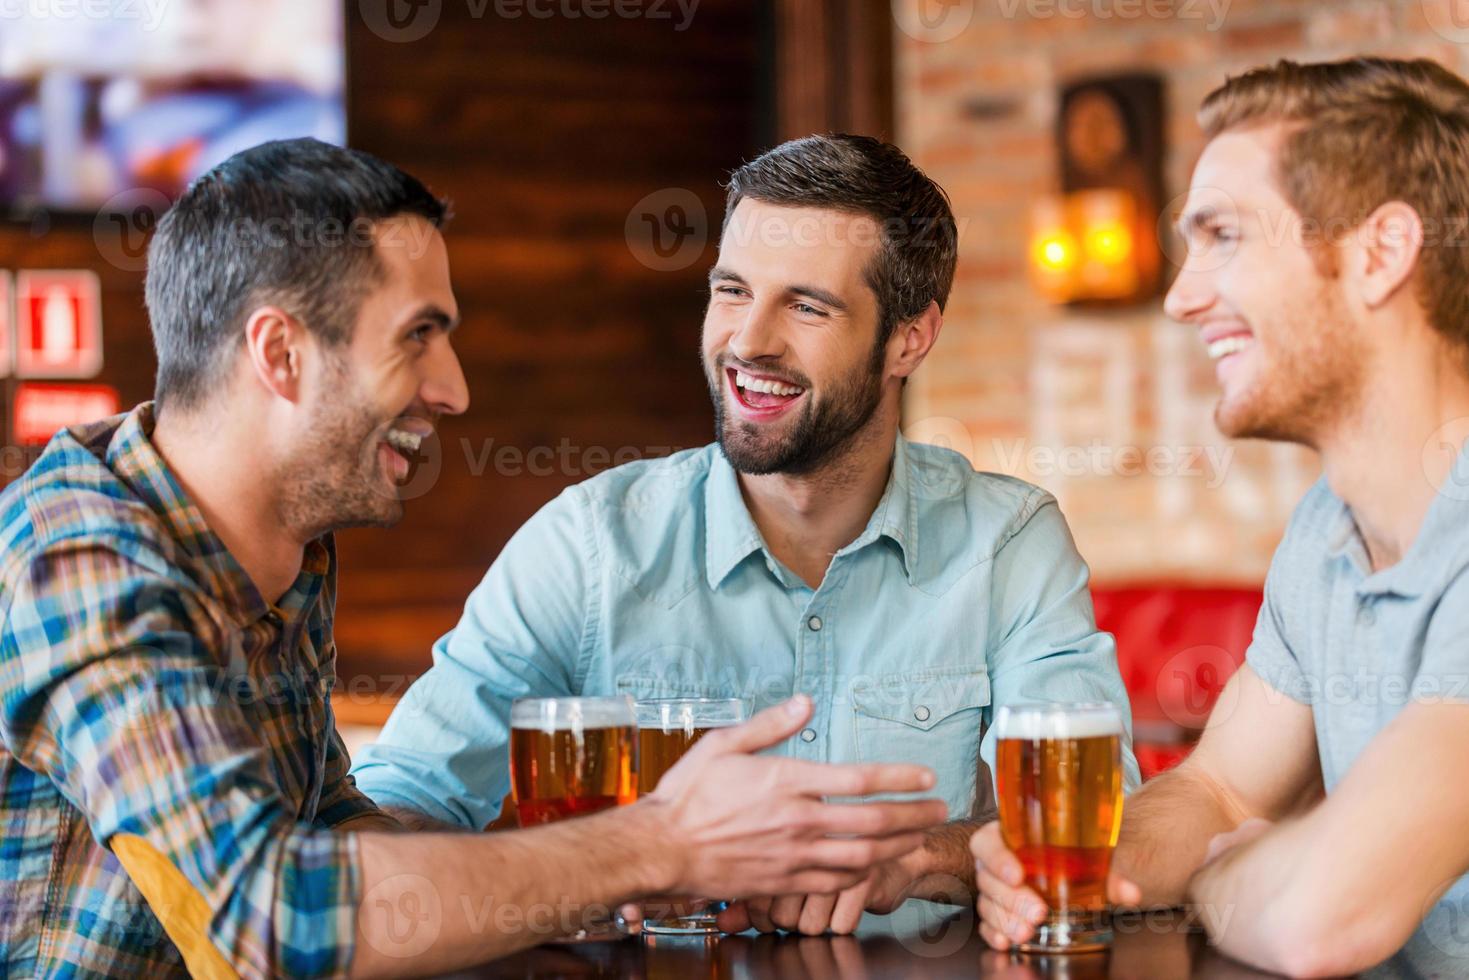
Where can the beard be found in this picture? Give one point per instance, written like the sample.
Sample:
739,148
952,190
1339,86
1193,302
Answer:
819,434
335,479
1310,378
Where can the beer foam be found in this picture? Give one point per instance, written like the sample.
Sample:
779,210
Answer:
571,714
1046,721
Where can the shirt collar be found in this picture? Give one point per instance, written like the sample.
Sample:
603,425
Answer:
730,534
132,457
1435,552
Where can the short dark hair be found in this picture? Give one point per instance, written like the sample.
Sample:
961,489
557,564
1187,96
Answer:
289,223
919,240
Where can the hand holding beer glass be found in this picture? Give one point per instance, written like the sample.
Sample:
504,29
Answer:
667,728
1058,773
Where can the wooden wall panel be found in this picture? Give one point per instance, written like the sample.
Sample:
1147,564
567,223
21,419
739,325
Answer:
545,133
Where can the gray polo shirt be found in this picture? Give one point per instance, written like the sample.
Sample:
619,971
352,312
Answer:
1358,647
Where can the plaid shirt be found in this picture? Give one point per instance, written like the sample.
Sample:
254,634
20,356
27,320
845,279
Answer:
146,688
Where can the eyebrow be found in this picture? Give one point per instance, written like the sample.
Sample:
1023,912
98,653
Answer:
1196,220
822,296
435,314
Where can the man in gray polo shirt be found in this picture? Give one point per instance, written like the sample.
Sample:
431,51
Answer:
1322,825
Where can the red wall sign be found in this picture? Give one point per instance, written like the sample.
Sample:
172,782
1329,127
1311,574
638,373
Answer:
42,410
58,324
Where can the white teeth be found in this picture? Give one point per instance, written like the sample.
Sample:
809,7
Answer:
405,442
768,387
1225,346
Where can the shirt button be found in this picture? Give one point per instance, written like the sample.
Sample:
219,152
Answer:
814,622
809,735
1369,618
921,712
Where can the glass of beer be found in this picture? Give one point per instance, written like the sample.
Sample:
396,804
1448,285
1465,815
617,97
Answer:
667,727
1058,774
570,757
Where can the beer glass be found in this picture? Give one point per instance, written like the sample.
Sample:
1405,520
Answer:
1058,774
570,757
667,728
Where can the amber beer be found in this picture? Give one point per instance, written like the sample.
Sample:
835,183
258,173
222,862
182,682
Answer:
571,756
1058,774
667,728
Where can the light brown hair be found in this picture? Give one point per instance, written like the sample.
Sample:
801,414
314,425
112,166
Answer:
1364,132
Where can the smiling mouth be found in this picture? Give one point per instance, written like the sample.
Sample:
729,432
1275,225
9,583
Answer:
1231,344
406,443
762,397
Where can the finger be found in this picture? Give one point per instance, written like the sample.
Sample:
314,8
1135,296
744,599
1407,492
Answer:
1004,920
767,728
847,912
861,854
823,882
822,779
632,917
785,911
1022,903
990,851
1021,919
1121,891
735,918
878,819
759,910
996,939
816,912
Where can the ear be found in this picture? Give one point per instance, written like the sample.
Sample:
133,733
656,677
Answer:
1388,245
274,342
912,340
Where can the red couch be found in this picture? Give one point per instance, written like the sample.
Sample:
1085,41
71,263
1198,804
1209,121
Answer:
1176,647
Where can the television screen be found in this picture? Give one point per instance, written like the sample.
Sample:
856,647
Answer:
128,95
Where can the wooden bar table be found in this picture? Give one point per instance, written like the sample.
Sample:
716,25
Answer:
924,945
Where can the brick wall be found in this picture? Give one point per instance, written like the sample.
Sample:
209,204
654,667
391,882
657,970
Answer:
1111,412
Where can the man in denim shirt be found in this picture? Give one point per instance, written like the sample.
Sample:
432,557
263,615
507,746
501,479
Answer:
812,549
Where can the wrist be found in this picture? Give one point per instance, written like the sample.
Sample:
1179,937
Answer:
662,856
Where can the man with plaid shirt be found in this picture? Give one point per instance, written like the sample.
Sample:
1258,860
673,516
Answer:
173,793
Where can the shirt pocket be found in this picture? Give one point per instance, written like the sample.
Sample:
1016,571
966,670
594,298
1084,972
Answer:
933,718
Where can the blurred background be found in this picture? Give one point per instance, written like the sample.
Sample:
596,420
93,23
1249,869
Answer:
583,143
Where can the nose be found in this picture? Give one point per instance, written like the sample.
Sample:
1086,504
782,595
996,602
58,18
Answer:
757,336
1190,296
444,389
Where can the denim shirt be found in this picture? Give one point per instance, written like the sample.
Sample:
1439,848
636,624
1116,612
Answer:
964,592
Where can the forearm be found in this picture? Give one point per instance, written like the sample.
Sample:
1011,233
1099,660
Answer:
944,865
1250,901
1166,829
432,903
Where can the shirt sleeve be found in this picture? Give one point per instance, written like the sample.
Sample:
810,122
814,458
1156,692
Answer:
444,751
341,801
1271,654
1044,643
112,690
